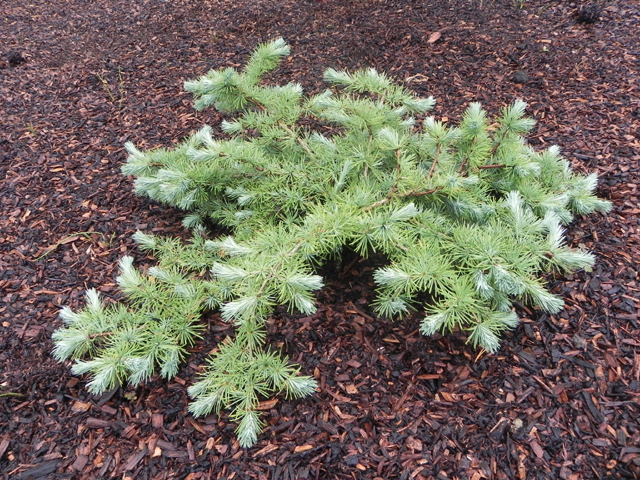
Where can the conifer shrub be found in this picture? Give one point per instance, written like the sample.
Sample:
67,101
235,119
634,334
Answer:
469,217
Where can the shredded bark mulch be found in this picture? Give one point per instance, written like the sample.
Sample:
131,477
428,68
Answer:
78,79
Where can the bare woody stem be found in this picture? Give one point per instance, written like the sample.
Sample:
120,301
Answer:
486,167
300,142
100,335
420,194
432,169
466,158
498,143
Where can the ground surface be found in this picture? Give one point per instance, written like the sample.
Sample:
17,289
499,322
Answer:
78,79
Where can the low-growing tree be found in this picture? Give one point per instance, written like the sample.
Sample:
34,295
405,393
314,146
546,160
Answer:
469,218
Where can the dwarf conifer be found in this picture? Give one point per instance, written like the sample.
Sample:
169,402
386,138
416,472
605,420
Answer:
469,217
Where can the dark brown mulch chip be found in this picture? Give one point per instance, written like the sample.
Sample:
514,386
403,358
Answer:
560,399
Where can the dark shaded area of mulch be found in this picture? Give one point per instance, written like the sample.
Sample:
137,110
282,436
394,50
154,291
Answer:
78,79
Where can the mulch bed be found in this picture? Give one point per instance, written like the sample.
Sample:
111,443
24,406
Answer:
78,79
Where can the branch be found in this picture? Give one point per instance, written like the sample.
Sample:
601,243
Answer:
436,157
462,165
466,158
244,160
485,167
412,193
98,335
301,142
420,194
394,187
304,145
499,142
293,251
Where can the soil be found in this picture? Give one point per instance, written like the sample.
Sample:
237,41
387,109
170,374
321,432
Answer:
78,79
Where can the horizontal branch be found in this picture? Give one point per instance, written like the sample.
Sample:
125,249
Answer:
98,335
486,167
412,193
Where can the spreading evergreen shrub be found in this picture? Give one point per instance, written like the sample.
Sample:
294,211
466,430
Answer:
468,217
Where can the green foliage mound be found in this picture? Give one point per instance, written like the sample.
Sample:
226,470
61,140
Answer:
468,216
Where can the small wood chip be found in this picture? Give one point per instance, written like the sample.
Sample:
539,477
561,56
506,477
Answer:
4,444
80,462
434,37
157,420
302,448
134,460
537,449
80,407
